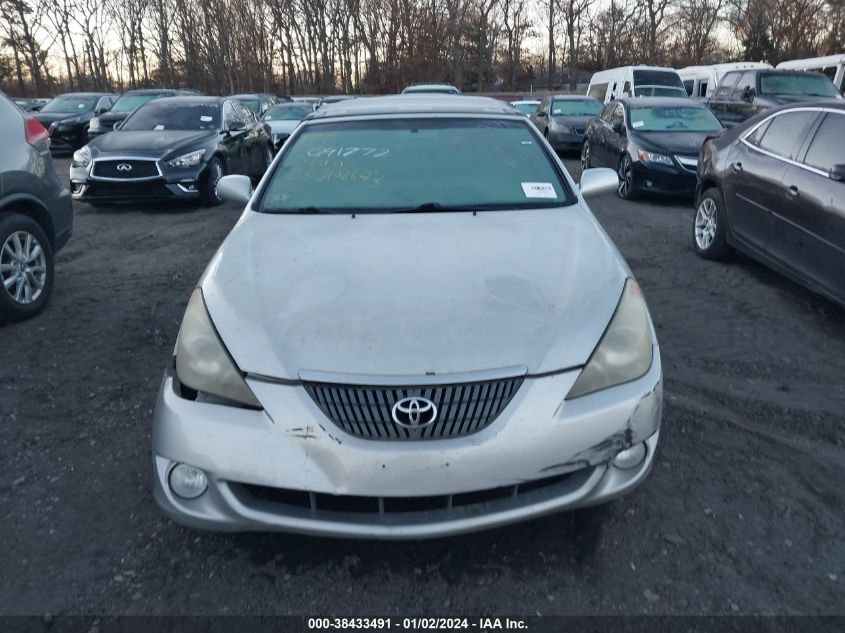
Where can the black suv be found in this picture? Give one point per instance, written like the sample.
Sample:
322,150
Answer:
36,214
743,93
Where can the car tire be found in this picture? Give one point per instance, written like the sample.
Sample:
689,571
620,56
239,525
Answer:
585,156
24,250
213,173
627,189
709,226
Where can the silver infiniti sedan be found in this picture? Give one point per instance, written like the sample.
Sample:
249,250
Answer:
417,328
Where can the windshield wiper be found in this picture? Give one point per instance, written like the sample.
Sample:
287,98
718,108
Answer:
431,207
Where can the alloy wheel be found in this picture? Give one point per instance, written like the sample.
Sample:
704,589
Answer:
215,176
585,157
23,267
705,224
626,177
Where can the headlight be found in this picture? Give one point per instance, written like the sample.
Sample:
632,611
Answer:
202,363
624,352
94,124
82,157
187,160
563,129
652,157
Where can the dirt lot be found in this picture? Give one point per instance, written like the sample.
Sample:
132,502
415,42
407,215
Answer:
743,512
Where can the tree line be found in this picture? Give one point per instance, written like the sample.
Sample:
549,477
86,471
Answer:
380,46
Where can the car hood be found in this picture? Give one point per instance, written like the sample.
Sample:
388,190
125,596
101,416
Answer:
148,142
282,127
674,142
413,294
573,121
46,118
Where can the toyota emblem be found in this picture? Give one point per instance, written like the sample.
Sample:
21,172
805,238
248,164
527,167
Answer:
124,167
414,412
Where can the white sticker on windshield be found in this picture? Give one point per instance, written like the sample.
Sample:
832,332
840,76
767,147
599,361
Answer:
205,119
638,124
539,190
159,127
556,111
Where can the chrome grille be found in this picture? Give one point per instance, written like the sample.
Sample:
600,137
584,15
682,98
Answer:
365,410
125,169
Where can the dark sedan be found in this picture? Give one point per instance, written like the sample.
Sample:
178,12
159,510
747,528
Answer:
774,188
67,117
174,148
652,142
563,119
126,104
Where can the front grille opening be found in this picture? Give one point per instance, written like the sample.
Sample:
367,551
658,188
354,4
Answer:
483,496
346,503
316,503
415,504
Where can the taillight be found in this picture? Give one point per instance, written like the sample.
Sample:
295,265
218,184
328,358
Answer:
35,132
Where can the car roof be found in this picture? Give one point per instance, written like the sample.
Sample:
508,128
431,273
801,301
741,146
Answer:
524,101
416,104
86,94
251,95
573,98
190,99
158,91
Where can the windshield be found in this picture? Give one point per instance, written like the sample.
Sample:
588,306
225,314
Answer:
128,103
674,119
71,104
804,84
287,113
658,78
526,108
576,107
434,91
659,91
430,164
252,104
156,115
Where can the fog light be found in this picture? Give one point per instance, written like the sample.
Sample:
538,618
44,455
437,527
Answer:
630,458
187,482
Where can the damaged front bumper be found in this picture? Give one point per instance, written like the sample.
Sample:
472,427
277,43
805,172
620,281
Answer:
289,468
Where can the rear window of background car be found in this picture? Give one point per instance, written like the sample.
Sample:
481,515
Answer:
404,163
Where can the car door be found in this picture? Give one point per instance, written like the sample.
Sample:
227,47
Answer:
754,189
741,104
232,141
541,116
616,137
809,232
598,137
718,103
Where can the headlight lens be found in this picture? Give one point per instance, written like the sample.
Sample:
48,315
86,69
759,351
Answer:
653,157
202,363
624,352
82,157
187,160
94,124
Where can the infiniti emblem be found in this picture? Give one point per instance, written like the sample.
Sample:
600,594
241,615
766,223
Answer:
414,412
124,167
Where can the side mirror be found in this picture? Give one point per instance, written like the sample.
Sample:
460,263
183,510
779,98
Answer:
837,173
596,181
542,114
618,128
100,111
235,126
235,188
748,93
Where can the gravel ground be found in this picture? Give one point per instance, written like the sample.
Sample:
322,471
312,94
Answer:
743,512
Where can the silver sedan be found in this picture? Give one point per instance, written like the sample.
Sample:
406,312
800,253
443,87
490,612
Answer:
417,328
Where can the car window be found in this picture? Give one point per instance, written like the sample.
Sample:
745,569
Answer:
607,113
785,131
244,114
129,102
575,107
826,148
618,115
598,91
689,84
229,113
799,85
626,89
390,165
674,119
747,80
755,137
167,115
728,82
702,88
289,113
